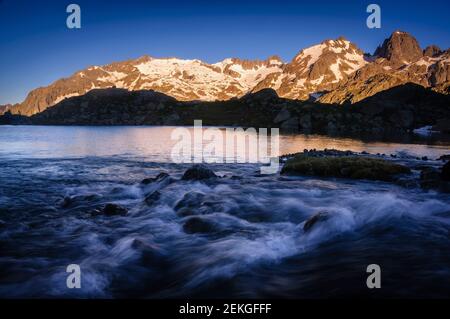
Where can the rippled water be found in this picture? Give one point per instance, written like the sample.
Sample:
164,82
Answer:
257,246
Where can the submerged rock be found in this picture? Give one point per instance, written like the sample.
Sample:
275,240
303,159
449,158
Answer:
316,218
444,158
114,210
153,197
151,254
191,199
160,177
198,172
198,225
353,167
190,204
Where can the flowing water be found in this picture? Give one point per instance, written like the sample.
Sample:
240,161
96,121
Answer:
256,246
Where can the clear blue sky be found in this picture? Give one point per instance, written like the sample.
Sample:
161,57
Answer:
36,48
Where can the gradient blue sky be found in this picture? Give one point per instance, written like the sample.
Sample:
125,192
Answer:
36,48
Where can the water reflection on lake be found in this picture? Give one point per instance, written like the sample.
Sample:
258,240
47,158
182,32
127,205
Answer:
155,143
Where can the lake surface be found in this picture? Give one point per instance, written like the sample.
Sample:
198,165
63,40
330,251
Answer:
257,247
155,143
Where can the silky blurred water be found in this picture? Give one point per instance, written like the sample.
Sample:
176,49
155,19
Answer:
256,247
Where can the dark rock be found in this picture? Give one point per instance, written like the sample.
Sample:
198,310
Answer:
354,167
400,47
319,217
2,224
282,116
13,119
66,202
443,124
198,225
198,172
444,158
114,210
189,203
445,174
151,254
432,51
153,197
306,122
291,124
430,178
158,178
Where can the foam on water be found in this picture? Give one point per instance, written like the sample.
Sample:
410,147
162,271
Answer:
255,246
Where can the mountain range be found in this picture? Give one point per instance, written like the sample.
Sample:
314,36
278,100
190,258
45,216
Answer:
334,71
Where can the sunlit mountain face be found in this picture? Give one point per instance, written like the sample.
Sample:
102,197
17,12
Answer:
334,71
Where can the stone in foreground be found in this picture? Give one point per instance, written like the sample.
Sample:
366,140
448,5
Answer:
198,172
114,210
313,220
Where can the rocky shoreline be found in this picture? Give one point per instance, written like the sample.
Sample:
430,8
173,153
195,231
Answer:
399,110
408,172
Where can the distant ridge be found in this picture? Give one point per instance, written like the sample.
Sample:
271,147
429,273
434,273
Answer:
399,109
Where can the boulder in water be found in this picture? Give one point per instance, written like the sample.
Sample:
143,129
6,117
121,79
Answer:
313,220
151,254
114,210
190,200
153,197
444,158
158,178
198,172
192,203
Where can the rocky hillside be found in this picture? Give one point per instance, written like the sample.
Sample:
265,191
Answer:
398,61
316,69
185,80
334,71
4,108
396,110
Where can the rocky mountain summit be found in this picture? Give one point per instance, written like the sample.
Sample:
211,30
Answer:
398,61
401,48
334,71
